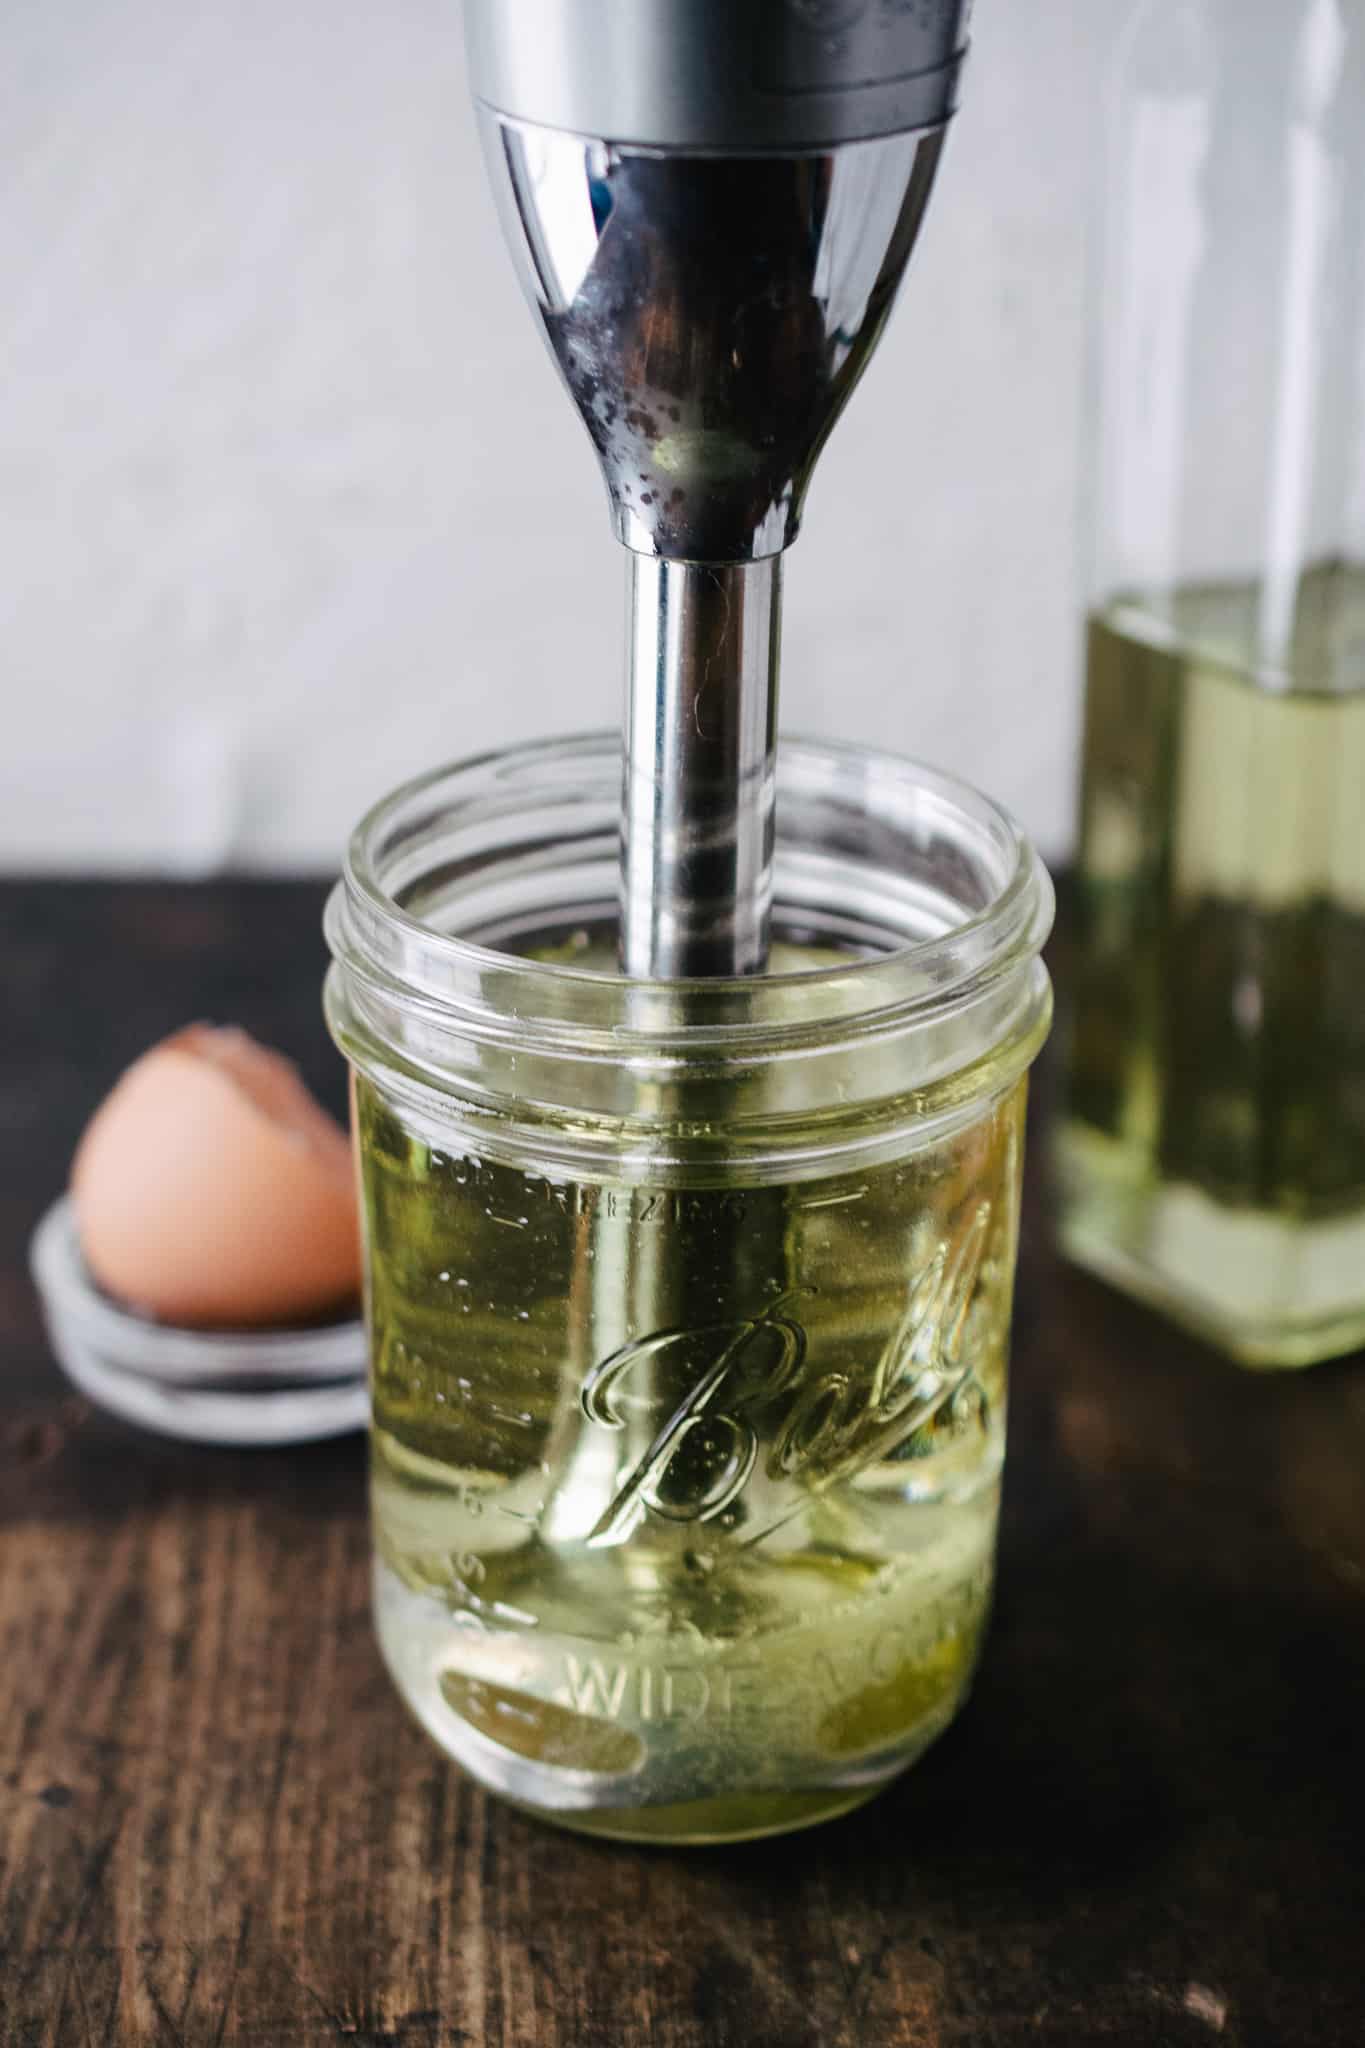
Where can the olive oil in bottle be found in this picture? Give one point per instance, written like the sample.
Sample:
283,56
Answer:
1214,1149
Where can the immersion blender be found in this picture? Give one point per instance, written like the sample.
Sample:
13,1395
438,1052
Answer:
711,204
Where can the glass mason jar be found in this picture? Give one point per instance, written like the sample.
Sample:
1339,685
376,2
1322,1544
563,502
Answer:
1214,1151
688,1301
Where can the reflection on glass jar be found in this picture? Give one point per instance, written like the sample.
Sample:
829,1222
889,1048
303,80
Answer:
689,1302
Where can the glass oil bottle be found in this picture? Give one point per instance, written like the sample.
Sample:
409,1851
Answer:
1213,1154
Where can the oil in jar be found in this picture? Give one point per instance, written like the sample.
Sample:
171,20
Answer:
685,1489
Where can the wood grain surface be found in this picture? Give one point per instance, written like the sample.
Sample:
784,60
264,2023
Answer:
218,1826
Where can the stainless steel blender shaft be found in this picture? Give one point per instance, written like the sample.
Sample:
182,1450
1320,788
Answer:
698,786
712,203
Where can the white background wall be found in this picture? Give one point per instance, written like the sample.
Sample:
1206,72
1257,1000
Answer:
291,503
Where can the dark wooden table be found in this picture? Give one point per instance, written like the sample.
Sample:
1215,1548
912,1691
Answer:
218,1826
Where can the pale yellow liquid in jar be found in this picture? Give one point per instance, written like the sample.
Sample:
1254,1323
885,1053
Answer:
685,1496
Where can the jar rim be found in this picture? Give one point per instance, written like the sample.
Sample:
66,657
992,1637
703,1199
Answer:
371,930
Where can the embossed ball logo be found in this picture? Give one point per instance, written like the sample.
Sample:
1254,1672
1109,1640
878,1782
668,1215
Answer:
749,1391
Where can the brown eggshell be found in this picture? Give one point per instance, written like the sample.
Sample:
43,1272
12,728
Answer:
212,1190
